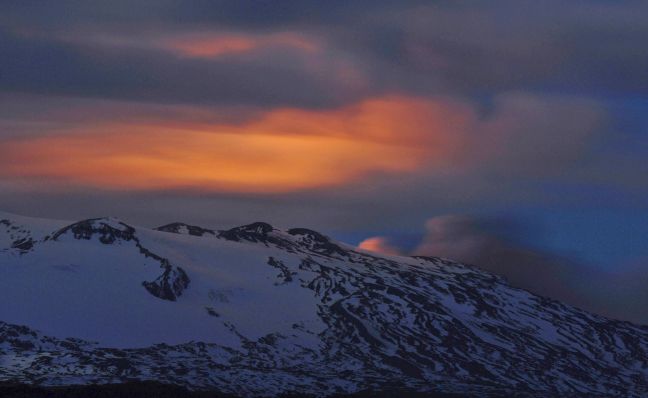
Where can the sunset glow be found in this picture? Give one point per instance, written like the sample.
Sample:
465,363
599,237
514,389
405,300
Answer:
285,150
379,244
207,45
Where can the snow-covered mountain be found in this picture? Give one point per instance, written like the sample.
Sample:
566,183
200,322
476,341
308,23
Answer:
256,310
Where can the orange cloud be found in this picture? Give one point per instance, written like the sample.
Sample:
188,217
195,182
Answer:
231,162
207,45
283,150
200,44
379,244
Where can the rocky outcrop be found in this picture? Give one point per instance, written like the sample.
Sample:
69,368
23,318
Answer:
168,286
182,228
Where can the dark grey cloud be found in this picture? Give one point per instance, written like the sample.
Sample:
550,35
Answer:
263,14
473,48
37,65
457,48
506,247
502,247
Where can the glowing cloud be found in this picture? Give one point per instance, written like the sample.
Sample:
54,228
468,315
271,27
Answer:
284,150
207,45
197,44
379,244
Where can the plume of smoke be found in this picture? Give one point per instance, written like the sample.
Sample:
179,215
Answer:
498,246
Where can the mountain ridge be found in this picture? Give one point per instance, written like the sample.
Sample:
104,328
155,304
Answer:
266,311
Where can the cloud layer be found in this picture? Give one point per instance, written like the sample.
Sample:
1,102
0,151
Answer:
310,54
290,149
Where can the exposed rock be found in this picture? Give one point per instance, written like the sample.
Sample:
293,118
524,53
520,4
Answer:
182,228
255,232
169,285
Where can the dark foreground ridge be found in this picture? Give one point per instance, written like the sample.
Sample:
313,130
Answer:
125,390
149,389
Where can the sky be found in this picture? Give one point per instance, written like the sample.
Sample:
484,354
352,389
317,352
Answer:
509,134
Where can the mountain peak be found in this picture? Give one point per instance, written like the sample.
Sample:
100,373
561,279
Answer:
185,229
259,227
108,229
255,232
316,241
